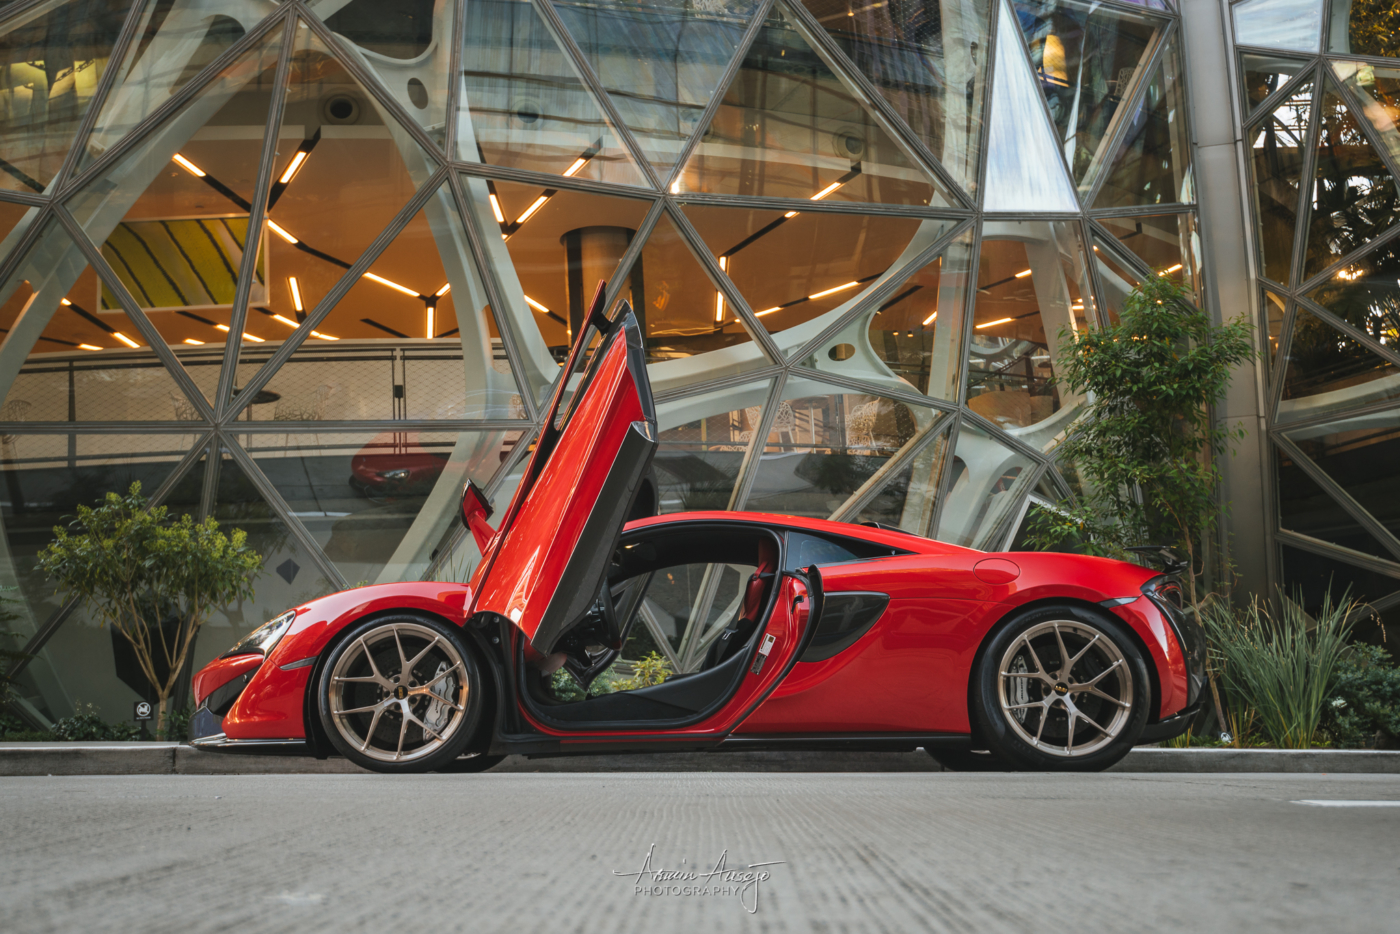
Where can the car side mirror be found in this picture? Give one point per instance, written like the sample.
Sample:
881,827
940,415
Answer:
476,509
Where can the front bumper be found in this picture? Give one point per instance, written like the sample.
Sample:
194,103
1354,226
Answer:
1169,727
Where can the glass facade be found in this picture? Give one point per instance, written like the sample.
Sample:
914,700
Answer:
1319,93
307,266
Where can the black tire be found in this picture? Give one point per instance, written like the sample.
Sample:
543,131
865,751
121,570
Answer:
968,760
362,697
1046,719
477,763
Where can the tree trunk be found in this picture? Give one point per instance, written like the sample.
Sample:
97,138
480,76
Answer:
160,713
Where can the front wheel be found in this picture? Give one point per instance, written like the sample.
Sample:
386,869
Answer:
400,694
1062,688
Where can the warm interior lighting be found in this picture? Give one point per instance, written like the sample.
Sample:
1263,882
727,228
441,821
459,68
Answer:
431,309
496,209
1023,273
930,319
393,285
125,340
287,321
296,292
256,340
281,233
539,203
443,291
676,187
767,311
719,307
536,305
578,164
297,160
826,191
191,340
1171,269
790,214
324,337
992,324
840,288
64,301
187,165
222,327
95,347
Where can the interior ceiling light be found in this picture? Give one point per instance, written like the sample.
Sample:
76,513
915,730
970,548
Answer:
280,232
64,301
256,340
191,340
930,319
95,347
768,311
578,164
840,288
125,340
189,166
536,305
826,191
790,214
443,291
1171,269
496,208
287,321
297,160
991,324
676,187
324,337
296,292
1023,273
429,328
393,285
539,203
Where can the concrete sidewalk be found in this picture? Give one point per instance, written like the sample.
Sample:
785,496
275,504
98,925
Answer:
178,759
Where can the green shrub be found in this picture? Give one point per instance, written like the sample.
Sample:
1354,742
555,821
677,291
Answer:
86,726
1274,668
15,730
1363,706
650,670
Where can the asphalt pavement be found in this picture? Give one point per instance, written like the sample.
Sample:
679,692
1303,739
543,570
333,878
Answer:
840,852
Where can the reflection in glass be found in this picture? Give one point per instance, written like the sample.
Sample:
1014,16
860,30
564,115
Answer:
1153,161
1378,89
702,443
1276,150
1033,295
1326,371
523,105
1353,194
1117,277
1273,308
792,270
1265,74
1279,24
986,483
909,497
916,331
1305,507
11,214
378,504
1085,56
1168,243
1365,27
1365,293
1317,576
823,447
52,56
789,128
916,55
1025,171
660,62
1362,455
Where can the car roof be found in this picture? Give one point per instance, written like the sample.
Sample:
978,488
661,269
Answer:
890,537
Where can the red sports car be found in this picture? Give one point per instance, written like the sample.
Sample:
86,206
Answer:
783,633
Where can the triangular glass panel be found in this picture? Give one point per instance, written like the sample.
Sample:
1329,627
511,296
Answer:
65,358
1326,371
408,47
171,213
172,45
403,486
1117,277
1312,577
909,496
1378,89
1273,308
913,58
789,127
53,55
1153,161
1169,244
1025,171
1085,56
12,215
1032,297
1353,193
1365,27
1276,147
794,270
289,576
1365,293
703,440
917,331
1305,507
1264,74
1279,24
421,307
660,62
986,482
1362,456
523,105
825,445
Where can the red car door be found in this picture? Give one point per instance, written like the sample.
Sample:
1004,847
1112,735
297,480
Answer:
546,565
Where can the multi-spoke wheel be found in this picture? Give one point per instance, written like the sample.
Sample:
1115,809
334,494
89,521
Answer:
399,694
1062,688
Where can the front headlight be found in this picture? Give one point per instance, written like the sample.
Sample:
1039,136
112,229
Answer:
262,639
400,473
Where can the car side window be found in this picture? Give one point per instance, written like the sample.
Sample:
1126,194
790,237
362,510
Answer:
805,550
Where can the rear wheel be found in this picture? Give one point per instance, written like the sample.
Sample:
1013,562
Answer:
1062,688
400,694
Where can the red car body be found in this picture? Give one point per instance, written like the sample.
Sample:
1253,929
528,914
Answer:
905,680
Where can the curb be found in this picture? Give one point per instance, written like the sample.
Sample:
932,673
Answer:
20,759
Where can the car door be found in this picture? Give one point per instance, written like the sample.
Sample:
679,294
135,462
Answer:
552,550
